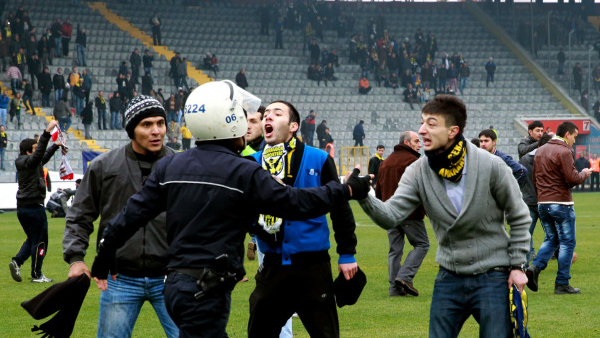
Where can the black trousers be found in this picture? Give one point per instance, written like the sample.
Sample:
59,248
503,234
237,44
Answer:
595,179
205,318
35,224
282,290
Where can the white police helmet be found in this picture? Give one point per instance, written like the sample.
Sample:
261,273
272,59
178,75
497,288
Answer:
215,111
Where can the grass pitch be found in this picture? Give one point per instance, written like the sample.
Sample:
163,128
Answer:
375,314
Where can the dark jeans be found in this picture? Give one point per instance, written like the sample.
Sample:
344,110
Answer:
535,215
102,119
35,224
185,143
206,317
489,78
595,179
64,123
282,290
27,103
65,46
457,297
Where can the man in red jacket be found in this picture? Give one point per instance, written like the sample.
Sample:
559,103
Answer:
390,172
554,175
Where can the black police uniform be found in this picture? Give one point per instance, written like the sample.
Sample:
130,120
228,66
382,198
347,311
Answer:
211,195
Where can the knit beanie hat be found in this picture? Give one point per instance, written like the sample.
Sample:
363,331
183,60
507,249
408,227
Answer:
139,108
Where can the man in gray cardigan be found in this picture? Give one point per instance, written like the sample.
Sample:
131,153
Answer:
466,193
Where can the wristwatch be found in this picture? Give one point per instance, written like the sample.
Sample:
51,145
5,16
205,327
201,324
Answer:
517,267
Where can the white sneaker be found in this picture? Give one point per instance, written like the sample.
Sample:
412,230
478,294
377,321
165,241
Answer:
42,279
15,271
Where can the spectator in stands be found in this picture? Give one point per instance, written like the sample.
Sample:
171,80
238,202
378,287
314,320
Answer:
4,53
561,58
146,84
595,166
122,86
206,61
135,60
358,134
393,82
123,69
173,129
100,102
81,42
453,78
34,68
13,73
530,142
585,101
43,48
15,109
596,78
31,46
62,113
114,103
363,86
155,24
183,74
263,14
73,79
27,96
3,145
174,63
56,29
50,46
171,106
160,97
79,92
315,51
214,64
129,87
490,68
465,72
325,140
410,96
186,137
147,60
310,130
577,77
442,75
4,101
87,84
45,86
66,30
173,144
58,82
279,33
87,117
320,130
375,162
240,79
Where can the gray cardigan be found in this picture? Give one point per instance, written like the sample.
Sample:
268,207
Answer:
475,240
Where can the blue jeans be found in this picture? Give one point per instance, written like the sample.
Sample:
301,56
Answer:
171,115
14,83
456,297
3,116
2,152
101,119
80,105
558,222
114,120
81,56
121,303
35,224
45,100
58,94
57,49
463,83
64,123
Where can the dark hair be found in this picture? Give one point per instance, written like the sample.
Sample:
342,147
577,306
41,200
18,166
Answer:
488,133
451,108
565,127
535,124
379,146
475,141
294,115
261,110
26,146
544,139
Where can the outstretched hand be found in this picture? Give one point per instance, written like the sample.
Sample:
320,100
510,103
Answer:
359,186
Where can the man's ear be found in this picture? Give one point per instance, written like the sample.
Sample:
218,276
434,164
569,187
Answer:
453,132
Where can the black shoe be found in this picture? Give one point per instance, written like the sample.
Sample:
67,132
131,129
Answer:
407,287
396,291
565,289
532,273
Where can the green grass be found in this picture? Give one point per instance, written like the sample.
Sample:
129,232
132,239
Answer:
375,314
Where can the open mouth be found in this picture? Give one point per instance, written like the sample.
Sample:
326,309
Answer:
268,130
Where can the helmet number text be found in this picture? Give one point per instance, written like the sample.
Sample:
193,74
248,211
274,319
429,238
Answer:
230,119
193,108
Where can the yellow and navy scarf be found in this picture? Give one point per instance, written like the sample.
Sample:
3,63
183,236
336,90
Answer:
450,163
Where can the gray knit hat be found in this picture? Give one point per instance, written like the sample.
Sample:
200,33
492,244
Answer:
139,108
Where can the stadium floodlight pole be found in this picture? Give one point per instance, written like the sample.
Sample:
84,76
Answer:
570,58
548,23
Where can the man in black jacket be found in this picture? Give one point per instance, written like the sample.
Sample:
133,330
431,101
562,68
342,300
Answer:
30,204
110,180
45,85
58,81
114,104
136,61
531,142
